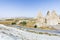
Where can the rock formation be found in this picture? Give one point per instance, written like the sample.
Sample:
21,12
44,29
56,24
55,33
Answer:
39,20
50,19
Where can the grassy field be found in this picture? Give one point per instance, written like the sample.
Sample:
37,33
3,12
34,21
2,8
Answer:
6,22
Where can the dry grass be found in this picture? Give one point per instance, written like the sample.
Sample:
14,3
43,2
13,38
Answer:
47,28
6,22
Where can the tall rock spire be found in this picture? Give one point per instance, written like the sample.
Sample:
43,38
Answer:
40,20
54,13
48,12
48,16
39,14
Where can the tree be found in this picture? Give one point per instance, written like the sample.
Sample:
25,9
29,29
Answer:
23,23
13,23
35,26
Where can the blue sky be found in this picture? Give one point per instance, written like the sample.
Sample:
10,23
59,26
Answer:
27,8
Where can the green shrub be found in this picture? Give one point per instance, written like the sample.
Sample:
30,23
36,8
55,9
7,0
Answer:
13,23
23,23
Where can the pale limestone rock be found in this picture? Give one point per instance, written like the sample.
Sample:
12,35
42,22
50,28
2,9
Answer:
59,20
52,19
39,20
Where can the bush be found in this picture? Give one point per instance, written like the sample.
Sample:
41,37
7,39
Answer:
23,23
13,23
35,26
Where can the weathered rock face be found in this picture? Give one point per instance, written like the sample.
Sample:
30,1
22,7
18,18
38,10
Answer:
59,20
39,20
52,19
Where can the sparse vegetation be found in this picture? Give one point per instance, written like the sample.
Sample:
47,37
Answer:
30,24
6,22
35,26
13,23
23,23
47,28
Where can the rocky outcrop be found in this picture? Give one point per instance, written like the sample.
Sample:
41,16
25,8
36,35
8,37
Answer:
40,20
50,19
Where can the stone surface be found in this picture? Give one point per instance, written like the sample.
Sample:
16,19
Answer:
51,19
